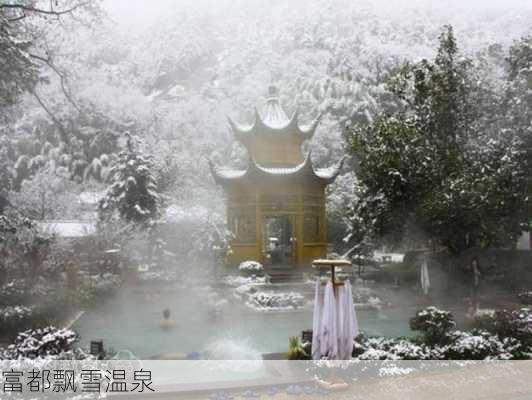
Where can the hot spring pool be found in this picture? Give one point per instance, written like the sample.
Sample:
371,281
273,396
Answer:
130,321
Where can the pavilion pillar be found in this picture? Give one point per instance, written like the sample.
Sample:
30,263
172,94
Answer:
323,219
258,225
300,214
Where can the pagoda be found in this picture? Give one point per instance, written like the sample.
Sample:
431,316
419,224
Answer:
276,206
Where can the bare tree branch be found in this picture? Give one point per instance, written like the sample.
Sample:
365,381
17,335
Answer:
62,78
51,11
52,116
18,18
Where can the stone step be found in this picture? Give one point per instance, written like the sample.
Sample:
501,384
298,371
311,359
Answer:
280,274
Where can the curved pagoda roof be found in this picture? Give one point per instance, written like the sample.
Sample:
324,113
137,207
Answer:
258,173
273,121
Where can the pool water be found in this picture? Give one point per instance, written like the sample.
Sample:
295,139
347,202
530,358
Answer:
130,320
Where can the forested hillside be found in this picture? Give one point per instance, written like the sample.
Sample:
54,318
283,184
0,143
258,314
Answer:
83,80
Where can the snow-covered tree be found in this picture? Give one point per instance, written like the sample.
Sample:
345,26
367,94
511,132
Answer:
433,170
23,249
6,172
46,195
21,32
18,72
133,188
518,97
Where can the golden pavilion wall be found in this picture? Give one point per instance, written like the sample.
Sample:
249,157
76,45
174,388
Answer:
303,203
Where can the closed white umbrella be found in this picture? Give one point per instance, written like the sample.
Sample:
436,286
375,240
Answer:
347,322
425,280
328,328
334,322
316,321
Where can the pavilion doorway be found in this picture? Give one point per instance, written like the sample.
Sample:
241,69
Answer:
279,244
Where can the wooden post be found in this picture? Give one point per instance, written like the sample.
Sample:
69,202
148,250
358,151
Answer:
323,217
332,264
258,226
300,221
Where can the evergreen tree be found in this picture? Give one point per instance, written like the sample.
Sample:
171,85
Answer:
519,97
6,174
18,72
23,247
435,169
133,190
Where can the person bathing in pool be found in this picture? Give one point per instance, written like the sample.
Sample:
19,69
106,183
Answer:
166,322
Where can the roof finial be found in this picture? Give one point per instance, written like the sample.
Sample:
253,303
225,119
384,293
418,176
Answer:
273,91
274,115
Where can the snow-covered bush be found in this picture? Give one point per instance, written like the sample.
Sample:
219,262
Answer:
48,341
379,348
485,321
433,323
276,301
251,269
13,292
506,335
515,324
252,266
232,280
18,312
15,318
476,345
24,305
479,345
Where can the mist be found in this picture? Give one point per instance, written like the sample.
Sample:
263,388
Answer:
170,171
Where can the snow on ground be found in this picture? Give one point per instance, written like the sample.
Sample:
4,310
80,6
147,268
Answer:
380,256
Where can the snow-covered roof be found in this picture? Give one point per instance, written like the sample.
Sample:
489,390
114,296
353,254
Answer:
256,171
67,228
274,115
273,120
